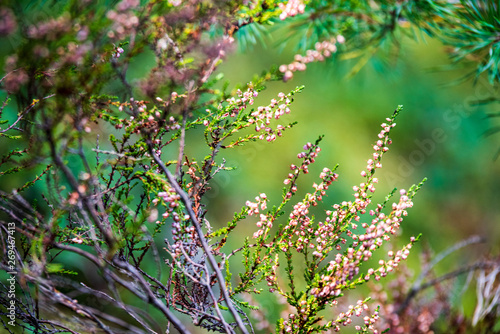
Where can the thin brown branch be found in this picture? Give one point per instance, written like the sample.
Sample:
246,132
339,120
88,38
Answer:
150,297
207,249
20,117
105,230
417,289
56,324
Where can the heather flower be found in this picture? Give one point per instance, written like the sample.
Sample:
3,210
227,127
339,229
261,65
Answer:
291,8
145,185
8,23
346,234
321,51
51,30
15,79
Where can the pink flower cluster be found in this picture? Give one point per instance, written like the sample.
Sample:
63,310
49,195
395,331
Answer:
50,30
264,224
183,233
263,115
300,225
124,20
345,318
8,23
15,78
370,322
380,147
272,280
170,200
321,51
118,52
341,271
236,105
260,202
291,8
308,157
145,119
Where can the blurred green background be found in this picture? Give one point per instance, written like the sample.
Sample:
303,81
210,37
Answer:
439,135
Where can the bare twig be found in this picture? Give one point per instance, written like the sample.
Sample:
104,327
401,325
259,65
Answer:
472,240
150,297
418,286
21,116
55,324
182,142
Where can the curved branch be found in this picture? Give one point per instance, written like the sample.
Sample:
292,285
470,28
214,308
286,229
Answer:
415,290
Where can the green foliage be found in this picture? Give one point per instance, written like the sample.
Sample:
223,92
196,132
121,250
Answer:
106,155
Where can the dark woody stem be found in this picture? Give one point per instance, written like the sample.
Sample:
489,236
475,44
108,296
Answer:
208,251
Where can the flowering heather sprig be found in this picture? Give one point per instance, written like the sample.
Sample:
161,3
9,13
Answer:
143,118
291,8
308,156
345,234
261,118
345,318
300,225
380,147
265,222
236,105
321,51
117,52
230,107
298,233
170,200
261,202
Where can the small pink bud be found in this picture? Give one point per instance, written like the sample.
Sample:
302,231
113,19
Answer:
288,75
